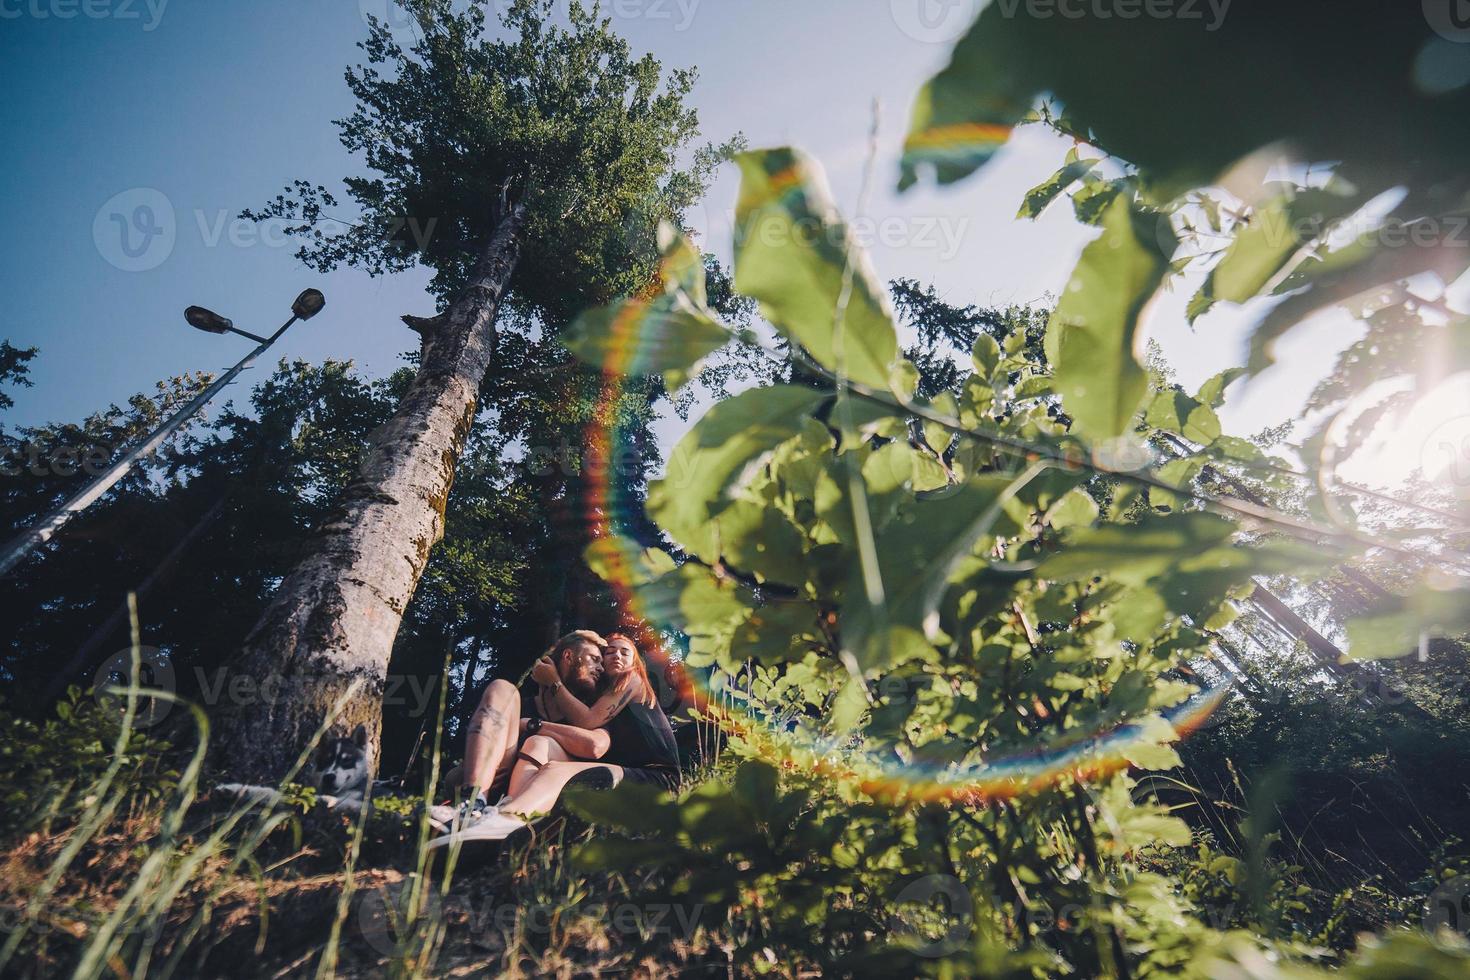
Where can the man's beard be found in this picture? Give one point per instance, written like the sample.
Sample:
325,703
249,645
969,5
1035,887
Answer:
583,683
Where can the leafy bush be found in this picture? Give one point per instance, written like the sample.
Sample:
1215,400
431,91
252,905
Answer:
51,770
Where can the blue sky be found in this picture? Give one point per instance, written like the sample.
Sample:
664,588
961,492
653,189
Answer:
197,109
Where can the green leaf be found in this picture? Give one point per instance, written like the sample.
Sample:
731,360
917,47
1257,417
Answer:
1120,77
681,266
755,786
759,539
633,807
863,419
1370,265
1261,247
1038,197
985,355
639,337
712,456
777,632
1235,447
620,854
917,552
1179,472
1136,553
1076,508
1212,392
1036,386
667,334
937,435
792,251
1266,242
616,558
1199,304
1092,335
1174,411
848,707
1157,828
693,597
1091,202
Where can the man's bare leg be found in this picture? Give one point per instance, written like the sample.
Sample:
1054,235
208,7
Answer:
492,737
540,794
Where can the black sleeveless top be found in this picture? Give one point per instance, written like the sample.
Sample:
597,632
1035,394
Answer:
642,739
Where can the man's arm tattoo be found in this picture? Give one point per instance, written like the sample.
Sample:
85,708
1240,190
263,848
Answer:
487,722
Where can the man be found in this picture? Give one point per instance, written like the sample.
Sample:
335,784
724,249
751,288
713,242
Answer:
497,730
635,745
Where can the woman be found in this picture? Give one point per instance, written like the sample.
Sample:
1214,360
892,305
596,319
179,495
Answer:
624,682
640,743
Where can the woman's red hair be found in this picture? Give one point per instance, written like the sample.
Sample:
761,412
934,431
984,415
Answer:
647,697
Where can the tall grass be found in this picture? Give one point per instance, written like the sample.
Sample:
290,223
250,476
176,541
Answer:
196,869
192,878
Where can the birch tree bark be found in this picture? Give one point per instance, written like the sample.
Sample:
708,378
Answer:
328,633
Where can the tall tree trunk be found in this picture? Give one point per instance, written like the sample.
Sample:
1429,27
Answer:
332,622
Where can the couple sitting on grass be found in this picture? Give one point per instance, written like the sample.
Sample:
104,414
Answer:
594,719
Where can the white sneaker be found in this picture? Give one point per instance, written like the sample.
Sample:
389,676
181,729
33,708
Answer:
491,826
445,817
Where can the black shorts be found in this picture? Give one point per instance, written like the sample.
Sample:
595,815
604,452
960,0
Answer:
662,778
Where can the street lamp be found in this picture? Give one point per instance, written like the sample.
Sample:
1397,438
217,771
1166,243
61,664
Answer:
306,306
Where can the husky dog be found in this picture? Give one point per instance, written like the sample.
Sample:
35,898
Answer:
339,772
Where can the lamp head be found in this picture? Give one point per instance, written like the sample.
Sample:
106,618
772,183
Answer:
308,304
207,320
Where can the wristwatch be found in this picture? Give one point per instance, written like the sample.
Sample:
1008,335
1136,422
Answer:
533,726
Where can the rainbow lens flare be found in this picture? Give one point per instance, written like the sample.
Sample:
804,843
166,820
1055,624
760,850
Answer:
610,508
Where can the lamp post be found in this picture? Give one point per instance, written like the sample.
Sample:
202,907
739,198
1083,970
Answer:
306,306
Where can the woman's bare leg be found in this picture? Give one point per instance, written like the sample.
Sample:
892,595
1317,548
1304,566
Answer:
541,748
540,794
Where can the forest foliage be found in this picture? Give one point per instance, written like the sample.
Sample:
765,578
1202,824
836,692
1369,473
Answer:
964,579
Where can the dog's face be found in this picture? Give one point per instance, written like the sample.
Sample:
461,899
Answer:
341,765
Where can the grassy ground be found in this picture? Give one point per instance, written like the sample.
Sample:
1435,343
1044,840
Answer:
117,860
